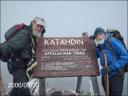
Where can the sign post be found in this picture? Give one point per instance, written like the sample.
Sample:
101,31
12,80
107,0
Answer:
95,86
78,86
79,78
42,89
93,78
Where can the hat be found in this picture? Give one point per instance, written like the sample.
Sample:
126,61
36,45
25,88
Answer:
40,21
98,30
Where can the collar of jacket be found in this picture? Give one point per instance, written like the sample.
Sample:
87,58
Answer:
105,41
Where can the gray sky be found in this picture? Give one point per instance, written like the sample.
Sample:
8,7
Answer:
66,18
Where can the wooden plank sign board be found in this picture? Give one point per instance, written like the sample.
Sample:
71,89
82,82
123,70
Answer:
65,57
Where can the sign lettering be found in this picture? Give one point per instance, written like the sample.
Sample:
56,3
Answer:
74,56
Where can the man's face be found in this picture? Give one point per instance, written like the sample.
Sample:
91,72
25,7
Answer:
37,29
100,38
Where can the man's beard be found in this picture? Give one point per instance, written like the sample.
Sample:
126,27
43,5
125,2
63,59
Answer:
99,42
36,34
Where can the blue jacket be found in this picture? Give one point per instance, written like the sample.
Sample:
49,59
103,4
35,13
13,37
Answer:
116,59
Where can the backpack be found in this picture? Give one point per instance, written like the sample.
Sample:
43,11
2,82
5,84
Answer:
116,34
13,30
8,35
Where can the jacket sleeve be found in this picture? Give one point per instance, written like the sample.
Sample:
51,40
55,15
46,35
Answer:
121,51
16,43
97,52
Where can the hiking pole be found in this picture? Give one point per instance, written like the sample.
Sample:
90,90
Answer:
106,77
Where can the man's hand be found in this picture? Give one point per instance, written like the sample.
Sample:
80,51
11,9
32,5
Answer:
106,70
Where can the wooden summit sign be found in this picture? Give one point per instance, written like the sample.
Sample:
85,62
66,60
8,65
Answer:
73,56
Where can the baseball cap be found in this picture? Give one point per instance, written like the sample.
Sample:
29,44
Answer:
40,21
99,31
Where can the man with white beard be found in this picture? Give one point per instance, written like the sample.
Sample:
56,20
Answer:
17,52
38,27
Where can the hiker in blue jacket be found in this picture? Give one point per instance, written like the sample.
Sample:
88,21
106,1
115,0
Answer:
17,52
117,58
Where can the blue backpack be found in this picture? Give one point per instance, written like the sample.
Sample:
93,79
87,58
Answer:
116,34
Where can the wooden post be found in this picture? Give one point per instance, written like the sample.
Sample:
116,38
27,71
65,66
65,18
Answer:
79,78
42,89
93,78
78,86
95,85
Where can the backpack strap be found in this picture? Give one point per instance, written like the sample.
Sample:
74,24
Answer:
33,61
109,45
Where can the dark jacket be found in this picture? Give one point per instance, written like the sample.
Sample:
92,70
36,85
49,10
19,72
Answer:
19,48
